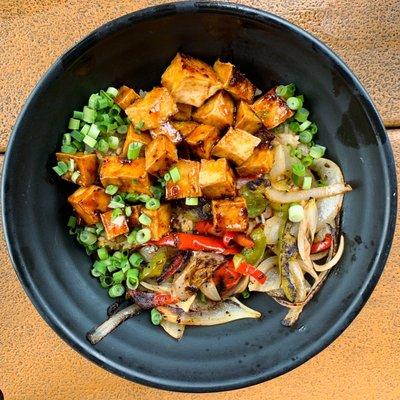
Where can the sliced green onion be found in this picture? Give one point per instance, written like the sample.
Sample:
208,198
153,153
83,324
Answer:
78,145
112,91
102,103
85,129
63,166
120,121
100,267
132,197
73,123
307,160
113,142
156,317
307,183
317,151
114,110
294,103
139,126
305,137
111,189
71,165
301,115
93,131
112,127
152,204
132,279
58,170
134,150
313,128
67,149
95,273
116,290
102,253
105,281
246,294
167,177
90,141
294,126
144,219
285,91
78,136
192,201
89,115
93,101
295,153
135,259
122,128
128,211
102,146
175,175
66,139
296,213
132,237
144,198
72,222
157,192
77,115
87,238
116,213
75,176
298,169
116,204
118,277
143,235
303,126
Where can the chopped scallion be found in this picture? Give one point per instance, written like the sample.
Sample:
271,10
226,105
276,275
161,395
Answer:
307,160
113,142
152,204
102,146
73,124
128,211
116,290
135,259
305,136
301,115
67,149
112,91
175,175
93,131
77,115
294,103
75,176
317,151
296,213
89,115
90,141
303,126
134,150
192,201
156,317
143,235
132,279
294,126
298,169
102,253
139,126
72,221
307,183
87,238
144,219
111,189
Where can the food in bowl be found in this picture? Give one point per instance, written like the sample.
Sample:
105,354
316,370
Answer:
199,191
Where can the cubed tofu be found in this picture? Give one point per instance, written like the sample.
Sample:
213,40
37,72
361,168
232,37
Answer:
167,129
234,81
160,155
190,80
125,97
260,162
160,221
216,179
129,175
135,214
184,112
216,111
133,136
86,164
89,202
202,140
185,128
114,226
236,145
188,184
230,215
246,119
271,109
153,109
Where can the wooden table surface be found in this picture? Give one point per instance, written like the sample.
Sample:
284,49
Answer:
363,363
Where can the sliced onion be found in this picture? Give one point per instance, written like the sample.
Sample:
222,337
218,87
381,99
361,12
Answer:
272,227
334,260
269,268
319,256
164,288
210,290
302,195
217,313
279,166
113,322
239,288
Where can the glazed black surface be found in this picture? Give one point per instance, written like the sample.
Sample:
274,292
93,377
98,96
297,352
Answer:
134,50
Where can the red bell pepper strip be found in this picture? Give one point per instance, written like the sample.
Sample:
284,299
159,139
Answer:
205,227
247,269
227,276
173,267
239,238
146,300
188,241
325,244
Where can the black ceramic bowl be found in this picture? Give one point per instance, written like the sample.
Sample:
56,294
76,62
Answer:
135,50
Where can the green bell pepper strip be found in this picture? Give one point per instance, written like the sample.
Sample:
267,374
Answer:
254,255
255,201
156,265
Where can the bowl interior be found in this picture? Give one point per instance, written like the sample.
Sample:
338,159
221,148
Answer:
135,50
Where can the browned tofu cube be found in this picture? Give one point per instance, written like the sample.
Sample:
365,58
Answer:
184,112
236,145
271,109
188,184
160,221
153,109
89,202
133,136
246,119
260,162
203,139
190,81
184,127
125,97
160,155
216,179
129,175
234,81
86,164
135,214
216,111
167,129
230,215
114,226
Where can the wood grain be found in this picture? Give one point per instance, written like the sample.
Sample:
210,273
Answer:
361,364
33,33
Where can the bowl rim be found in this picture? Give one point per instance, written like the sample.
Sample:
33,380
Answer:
222,7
